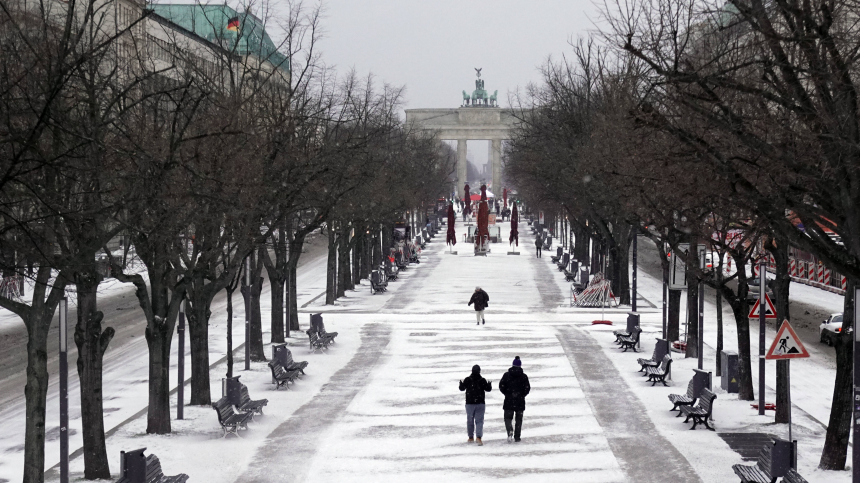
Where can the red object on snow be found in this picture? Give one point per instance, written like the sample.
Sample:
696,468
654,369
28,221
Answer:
505,196
601,322
767,406
515,232
451,237
482,237
467,201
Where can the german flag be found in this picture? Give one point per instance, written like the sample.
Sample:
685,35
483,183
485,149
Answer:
233,24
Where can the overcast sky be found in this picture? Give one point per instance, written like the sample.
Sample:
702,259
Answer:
433,46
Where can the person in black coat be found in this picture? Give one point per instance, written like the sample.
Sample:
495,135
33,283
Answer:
538,245
481,301
475,387
515,386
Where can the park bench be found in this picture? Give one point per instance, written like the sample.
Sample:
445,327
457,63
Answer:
547,243
248,405
686,399
400,261
658,373
229,418
630,341
282,377
701,411
792,476
774,461
391,270
134,467
318,325
563,263
378,283
317,343
558,253
660,350
291,365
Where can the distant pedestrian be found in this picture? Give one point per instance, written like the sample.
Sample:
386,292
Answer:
481,301
515,386
475,387
538,245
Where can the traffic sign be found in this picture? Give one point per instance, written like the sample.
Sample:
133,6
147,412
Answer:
769,313
786,345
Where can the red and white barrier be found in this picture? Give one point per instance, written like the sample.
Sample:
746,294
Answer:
826,276
810,271
844,282
820,275
755,270
792,267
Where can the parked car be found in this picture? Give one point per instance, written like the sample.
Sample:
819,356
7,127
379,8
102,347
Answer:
830,328
753,293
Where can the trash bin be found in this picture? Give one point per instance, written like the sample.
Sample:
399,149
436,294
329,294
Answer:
729,363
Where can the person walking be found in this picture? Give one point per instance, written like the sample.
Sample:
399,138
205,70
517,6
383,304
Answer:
538,245
515,386
475,387
481,301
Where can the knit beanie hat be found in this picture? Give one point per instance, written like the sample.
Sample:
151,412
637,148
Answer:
517,361
476,369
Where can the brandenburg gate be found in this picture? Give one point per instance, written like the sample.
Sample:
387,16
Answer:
479,118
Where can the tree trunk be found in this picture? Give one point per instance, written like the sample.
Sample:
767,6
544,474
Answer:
344,272
277,285
620,251
91,342
37,318
745,384
839,425
253,297
158,337
673,322
331,269
198,313
779,250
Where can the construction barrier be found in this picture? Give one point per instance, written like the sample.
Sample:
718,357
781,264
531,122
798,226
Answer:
844,283
826,276
792,267
811,271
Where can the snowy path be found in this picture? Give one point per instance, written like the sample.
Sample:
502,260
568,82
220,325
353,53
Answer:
394,412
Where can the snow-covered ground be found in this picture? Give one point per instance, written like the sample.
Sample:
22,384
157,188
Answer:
382,404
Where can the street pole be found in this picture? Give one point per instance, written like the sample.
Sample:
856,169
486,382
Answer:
762,311
288,308
248,313
64,392
180,368
701,345
855,451
635,236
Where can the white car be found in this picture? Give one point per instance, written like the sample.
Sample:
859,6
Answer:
830,328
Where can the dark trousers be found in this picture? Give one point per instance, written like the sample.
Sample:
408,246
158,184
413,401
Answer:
509,415
538,251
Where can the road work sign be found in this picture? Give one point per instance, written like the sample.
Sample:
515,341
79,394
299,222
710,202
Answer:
786,345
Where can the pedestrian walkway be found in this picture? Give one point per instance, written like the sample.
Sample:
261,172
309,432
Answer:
395,413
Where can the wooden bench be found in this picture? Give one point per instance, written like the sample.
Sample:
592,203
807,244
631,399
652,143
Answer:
281,377
231,421
134,467
378,283
792,476
291,365
701,411
653,361
248,405
679,400
659,373
630,341
661,348
774,461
